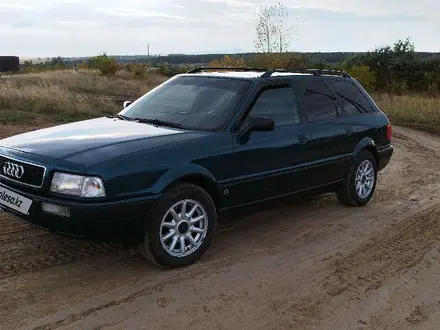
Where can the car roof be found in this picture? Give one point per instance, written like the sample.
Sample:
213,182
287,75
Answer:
249,73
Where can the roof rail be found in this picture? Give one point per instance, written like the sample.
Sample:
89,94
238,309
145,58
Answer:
315,72
203,68
268,72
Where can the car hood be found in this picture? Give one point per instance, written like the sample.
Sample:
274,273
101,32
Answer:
92,141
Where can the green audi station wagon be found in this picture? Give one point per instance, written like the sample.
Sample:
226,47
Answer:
158,173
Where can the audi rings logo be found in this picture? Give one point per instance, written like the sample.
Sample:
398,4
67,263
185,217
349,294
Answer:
13,170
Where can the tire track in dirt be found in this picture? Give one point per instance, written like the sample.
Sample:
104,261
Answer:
366,268
414,164
185,274
25,249
38,260
220,264
416,310
227,257
19,235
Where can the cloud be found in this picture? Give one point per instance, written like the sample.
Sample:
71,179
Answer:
137,13
23,24
9,4
233,3
329,15
88,27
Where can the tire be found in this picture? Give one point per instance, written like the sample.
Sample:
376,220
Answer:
347,193
166,255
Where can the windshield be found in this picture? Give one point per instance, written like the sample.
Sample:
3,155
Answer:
201,103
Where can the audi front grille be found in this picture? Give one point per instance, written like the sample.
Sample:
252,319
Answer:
21,171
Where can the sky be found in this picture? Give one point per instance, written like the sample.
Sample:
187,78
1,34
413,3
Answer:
41,28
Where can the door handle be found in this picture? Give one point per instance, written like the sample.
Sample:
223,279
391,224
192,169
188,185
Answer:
303,138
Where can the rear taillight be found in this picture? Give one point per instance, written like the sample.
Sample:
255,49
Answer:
389,132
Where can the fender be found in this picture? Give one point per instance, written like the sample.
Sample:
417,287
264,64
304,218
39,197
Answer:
369,144
188,172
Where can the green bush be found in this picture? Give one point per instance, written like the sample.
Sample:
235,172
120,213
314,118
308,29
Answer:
108,66
138,69
170,71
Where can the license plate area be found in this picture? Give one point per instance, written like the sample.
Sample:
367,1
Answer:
11,200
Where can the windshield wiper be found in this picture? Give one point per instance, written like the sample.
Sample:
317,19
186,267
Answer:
321,93
359,107
122,117
157,122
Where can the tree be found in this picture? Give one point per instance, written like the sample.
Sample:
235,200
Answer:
273,28
394,66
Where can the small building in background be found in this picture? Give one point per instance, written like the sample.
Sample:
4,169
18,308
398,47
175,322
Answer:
9,64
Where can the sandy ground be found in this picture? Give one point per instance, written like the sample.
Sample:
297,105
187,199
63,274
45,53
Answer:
313,264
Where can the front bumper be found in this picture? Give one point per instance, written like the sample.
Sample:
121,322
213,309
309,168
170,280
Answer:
119,221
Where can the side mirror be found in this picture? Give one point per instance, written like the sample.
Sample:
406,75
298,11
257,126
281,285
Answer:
127,103
259,124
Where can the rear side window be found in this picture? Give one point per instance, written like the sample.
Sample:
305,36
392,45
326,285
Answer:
351,98
278,103
319,101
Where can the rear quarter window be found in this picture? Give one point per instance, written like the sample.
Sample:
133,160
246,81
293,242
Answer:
352,100
319,102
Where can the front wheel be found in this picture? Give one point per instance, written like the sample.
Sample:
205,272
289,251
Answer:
360,184
181,228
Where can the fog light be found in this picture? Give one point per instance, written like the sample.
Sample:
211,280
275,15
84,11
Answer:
55,209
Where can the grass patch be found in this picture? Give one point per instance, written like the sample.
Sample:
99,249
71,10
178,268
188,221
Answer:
90,82
15,117
62,96
414,111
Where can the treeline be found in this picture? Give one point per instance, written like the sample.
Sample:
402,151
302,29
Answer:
318,57
181,59
398,68
395,69
188,59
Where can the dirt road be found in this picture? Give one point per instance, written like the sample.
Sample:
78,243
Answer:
309,265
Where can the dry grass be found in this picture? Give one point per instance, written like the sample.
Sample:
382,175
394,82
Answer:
63,96
89,81
50,97
417,111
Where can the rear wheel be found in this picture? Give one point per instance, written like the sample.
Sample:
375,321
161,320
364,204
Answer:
360,184
181,227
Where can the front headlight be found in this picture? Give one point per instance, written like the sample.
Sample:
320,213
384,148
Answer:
77,185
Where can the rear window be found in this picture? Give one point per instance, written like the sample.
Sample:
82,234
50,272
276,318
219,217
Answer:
199,103
352,100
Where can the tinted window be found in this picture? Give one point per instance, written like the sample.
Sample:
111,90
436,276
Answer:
351,98
278,104
319,101
194,102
